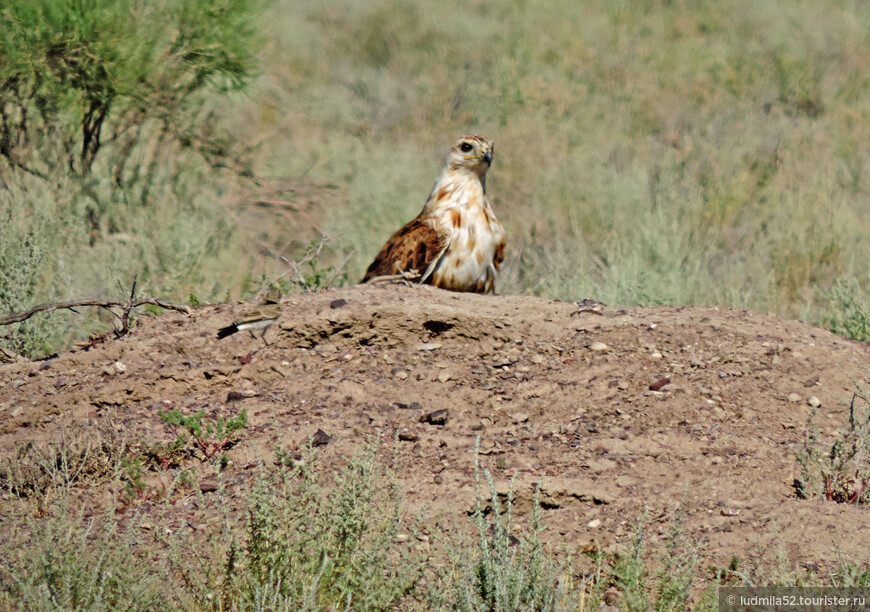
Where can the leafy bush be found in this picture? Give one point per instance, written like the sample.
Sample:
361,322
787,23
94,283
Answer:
210,438
851,311
76,77
113,160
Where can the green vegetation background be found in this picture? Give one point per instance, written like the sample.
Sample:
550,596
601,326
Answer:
647,152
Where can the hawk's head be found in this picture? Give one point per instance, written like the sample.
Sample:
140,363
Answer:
472,152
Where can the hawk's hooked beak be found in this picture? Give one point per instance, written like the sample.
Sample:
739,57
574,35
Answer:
487,157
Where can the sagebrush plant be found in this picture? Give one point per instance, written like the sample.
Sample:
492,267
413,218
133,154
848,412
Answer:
498,571
307,546
69,561
838,470
672,585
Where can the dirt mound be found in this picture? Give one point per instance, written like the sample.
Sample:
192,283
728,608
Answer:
613,412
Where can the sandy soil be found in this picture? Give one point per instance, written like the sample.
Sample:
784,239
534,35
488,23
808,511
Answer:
613,412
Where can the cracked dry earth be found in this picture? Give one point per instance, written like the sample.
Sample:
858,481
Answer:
614,413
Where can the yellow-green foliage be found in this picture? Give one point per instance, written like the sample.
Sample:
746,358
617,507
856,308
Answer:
681,152
647,152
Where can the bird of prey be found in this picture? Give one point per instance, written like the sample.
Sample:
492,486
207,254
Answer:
455,242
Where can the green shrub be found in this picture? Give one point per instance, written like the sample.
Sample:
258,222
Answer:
851,311
113,158
309,545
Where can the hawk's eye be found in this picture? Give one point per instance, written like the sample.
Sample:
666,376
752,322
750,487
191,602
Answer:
465,147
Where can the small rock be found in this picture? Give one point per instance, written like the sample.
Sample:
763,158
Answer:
337,303
794,398
320,438
411,406
594,524
401,537
439,479
444,377
478,427
208,486
407,436
658,384
437,417
429,346
120,368
814,401
598,346
501,462
519,417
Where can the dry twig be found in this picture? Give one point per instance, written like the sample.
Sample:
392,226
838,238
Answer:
124,307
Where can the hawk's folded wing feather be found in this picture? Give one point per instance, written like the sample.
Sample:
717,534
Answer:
416,246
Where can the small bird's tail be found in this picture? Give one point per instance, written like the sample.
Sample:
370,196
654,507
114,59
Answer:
229,330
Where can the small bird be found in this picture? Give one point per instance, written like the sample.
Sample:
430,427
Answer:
455,242
260,317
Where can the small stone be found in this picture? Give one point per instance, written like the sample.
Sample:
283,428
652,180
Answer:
407,436
120,368
428,346
501,462
437,417
337,303
658,384
519,417
814,401
320,438
444,377
598,346
794,398
401,537
594,524
401,375
655,355
208,486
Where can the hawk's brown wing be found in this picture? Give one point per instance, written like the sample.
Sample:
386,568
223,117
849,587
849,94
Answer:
414,247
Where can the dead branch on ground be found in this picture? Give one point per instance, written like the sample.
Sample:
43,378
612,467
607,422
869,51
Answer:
120,309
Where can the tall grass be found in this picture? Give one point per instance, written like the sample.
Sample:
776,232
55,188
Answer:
647,153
